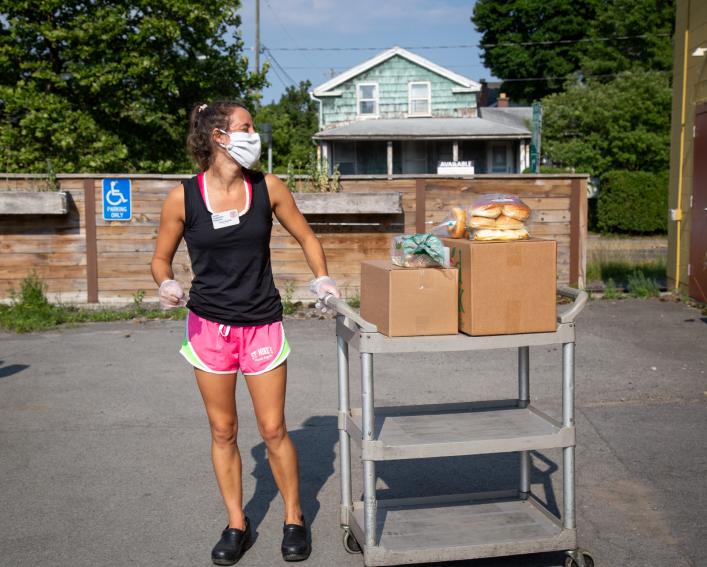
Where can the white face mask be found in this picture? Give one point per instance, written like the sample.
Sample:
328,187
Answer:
243,147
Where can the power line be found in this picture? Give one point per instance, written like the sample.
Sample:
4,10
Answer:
481,45
278,66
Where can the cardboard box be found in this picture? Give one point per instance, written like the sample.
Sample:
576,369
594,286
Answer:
506,287
405,302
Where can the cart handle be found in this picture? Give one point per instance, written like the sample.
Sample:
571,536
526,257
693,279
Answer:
568,316
343,308
580,300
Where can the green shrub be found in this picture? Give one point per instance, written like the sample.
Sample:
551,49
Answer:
30,310
610,290
640,285
288,306
354,300
633,202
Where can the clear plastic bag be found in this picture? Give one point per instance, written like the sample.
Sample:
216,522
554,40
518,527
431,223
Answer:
423,250
493,205
454,226
498,216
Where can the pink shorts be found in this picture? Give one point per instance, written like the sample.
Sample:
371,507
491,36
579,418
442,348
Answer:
222,349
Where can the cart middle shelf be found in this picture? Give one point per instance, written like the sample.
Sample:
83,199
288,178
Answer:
445,430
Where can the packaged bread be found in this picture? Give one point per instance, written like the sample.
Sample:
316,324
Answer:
498,216
486,209
519,211
500,234
481,222
454,226
506,222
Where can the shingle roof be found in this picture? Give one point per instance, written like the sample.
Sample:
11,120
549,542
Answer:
428,128
518,116
465,82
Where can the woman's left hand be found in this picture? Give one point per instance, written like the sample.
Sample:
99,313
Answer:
323,285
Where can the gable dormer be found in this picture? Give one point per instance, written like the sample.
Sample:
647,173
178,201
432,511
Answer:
395,84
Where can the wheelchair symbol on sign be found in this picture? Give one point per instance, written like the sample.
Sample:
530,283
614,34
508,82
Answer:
114,196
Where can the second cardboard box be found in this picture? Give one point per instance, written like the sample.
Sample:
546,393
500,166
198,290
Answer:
505,287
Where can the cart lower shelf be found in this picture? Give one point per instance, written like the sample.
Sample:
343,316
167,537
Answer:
418,530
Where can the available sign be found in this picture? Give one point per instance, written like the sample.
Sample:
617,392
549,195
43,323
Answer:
455,168
117,200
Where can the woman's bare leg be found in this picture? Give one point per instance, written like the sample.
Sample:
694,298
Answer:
219,394
268,394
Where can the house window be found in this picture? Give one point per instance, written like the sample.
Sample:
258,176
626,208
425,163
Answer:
367,95
419,99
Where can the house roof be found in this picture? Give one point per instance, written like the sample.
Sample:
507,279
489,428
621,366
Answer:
426,128
517,116
473,86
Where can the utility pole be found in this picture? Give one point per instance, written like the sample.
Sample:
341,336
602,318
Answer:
257,36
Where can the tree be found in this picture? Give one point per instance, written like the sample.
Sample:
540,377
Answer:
507,25
648,26
294,121
598,127
107,86
540,44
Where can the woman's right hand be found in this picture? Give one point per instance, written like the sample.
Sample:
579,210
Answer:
171,295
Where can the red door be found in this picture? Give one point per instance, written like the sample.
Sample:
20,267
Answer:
697,280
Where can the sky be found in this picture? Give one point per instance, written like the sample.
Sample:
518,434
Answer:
439,30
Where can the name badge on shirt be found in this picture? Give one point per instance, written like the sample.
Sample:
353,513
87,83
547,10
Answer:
224,219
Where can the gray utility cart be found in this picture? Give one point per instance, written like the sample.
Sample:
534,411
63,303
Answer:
463,526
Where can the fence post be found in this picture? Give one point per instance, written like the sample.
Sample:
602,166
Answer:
420,205
578,232
89,191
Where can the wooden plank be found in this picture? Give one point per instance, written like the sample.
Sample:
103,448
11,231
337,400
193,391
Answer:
27,244
348,203
44,271
33,203
24,261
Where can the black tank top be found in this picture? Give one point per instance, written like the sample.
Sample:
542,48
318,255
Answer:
233,282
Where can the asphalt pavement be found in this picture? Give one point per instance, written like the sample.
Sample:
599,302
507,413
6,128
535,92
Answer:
104,443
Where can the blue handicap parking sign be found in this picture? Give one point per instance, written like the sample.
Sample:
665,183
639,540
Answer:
117,201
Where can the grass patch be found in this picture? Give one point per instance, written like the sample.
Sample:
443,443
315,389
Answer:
288,306
640,285
610,290
30,310
354,300
636,265
621,271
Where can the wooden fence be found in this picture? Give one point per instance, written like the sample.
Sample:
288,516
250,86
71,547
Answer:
83,258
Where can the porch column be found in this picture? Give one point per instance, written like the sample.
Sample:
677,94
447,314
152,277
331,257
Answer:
455,150
324,148
390,159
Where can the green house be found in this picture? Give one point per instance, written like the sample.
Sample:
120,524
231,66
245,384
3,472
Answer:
399,113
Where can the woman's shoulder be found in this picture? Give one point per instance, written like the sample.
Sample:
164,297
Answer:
255,177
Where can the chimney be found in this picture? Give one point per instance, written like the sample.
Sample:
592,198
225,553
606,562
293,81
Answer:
502,101
483,94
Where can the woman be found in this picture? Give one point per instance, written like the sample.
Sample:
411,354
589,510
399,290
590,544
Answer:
234,318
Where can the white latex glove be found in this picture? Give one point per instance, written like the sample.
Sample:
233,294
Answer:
171,295
320,287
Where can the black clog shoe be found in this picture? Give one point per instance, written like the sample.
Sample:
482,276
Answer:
232,545
295,542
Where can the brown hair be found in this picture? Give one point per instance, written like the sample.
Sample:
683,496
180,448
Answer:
204,118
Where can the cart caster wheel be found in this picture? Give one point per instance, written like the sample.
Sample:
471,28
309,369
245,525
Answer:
350,544
579,558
